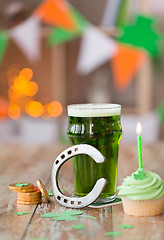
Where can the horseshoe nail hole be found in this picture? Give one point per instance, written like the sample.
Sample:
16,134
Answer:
72,202
79,203
69,152
65,200
57,161
58,197
62,156
76,149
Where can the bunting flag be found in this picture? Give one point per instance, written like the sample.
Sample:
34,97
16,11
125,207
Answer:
142,33
96,49
56,12
27,36
125,64
110,13
123,13
60,35
3,108
3,43
160,111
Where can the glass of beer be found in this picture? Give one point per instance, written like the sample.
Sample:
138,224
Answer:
98,125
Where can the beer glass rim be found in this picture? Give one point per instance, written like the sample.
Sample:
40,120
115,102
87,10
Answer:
94,110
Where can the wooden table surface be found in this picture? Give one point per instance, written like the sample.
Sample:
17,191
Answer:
28,163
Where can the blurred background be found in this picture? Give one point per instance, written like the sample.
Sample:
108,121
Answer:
56,52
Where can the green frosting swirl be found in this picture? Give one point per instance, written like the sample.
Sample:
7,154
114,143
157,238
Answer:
148,187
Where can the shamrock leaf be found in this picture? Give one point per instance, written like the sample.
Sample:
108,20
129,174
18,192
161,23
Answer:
66,215
50,215
146,27
80,226
140,176
49,192
65,218
72,213
88,216
21,213
21,184
114,234
123,226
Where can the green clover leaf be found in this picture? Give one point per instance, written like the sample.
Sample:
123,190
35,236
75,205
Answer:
21,184
113,234
21,213
140,176
78,227
123,226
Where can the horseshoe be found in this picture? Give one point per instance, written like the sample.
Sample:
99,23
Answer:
77,202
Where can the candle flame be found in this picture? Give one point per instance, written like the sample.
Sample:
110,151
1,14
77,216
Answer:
138,128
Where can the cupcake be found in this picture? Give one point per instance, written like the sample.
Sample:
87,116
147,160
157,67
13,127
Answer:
142,194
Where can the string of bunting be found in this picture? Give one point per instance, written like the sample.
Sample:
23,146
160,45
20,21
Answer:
61,35
136,41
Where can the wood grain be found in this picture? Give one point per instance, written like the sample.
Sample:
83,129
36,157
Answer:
22,164
28,163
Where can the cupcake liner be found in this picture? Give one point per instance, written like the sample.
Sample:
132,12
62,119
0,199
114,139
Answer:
143,207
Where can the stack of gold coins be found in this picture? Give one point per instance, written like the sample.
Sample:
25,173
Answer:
27,193
29,197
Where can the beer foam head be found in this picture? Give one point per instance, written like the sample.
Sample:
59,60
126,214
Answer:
94,110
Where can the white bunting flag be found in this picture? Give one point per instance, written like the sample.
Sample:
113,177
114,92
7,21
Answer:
110,13
96,49
27,36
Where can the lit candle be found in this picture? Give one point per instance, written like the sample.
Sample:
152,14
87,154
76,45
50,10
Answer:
139,130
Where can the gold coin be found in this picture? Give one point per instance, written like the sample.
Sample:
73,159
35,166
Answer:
28,190
43,190
14,187
27,197
37,193
30,196
28,202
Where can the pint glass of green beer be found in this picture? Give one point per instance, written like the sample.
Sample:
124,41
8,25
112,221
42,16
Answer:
98,125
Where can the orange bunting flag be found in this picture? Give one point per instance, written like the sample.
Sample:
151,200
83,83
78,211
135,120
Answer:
56,12
125,65
3,108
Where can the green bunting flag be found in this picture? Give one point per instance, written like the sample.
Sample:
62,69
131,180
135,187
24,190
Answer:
123,13
61,35
144,34
3,43
160,111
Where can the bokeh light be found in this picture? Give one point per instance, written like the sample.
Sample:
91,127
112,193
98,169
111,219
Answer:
31,89
27,73
24,87
34,109
20,85
55,109
14,111
21,89
12,94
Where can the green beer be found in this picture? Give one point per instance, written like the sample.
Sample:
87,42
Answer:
97,125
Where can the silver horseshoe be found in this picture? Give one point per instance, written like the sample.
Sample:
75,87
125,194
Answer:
77,202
